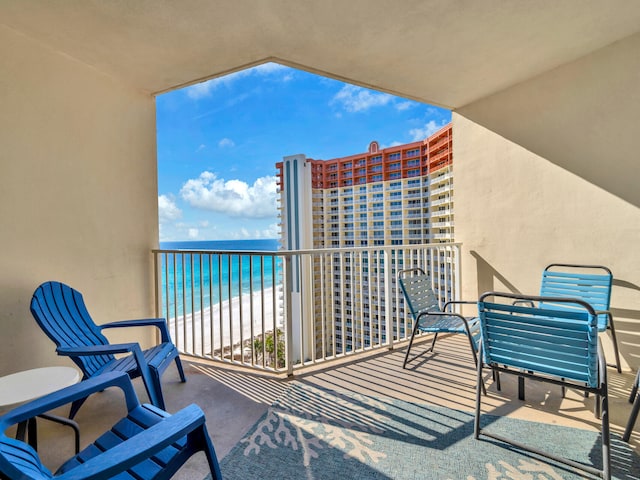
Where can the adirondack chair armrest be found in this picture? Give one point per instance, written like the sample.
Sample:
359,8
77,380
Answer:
70,394
98,349
160,323
139,447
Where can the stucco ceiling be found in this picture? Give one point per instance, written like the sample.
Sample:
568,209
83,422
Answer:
444,52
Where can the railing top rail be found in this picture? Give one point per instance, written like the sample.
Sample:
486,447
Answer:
314,251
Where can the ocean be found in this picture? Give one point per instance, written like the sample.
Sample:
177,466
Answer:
192,280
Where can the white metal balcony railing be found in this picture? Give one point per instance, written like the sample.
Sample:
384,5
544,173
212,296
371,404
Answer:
286,310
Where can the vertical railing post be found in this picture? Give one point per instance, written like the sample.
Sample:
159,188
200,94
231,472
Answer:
157,287
288,314
387,297
457,271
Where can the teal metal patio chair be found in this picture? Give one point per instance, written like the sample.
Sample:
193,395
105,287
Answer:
580,281
61,313
427,315
557,344
147,444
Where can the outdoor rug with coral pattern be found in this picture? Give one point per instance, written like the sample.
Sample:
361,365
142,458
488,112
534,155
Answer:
309,433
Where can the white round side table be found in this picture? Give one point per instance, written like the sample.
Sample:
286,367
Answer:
26,385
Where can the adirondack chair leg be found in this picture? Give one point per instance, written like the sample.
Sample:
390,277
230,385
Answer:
180,370
203,438
156,388
75,406
615,344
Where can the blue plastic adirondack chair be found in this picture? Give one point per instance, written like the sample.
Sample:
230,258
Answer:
557,344
61,313
148,444
579,281
427,315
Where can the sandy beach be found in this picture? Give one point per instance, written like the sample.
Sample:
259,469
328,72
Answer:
234,321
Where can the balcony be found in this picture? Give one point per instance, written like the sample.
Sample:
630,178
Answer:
91,190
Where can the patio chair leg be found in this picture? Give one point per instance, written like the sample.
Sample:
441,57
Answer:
413,334
496,378
615,344
476,423
475,358
635,410
433,343
634,388
606,436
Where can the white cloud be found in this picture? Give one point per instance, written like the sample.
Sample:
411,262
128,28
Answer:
226,142
204,89
232,197
193,233
358,99
401,106
429,128
272,231
201,147
168,211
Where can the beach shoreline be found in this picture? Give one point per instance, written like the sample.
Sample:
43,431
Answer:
227,324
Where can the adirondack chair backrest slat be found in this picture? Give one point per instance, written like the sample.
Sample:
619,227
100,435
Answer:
559,342
21,461
61,313
595,289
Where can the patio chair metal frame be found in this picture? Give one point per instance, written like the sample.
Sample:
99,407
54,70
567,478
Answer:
147,444
558,345
427,315
595,289
634,398
61,313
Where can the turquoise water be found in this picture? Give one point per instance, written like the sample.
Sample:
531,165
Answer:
204,279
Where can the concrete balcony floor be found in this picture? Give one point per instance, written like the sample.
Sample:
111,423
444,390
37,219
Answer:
234,399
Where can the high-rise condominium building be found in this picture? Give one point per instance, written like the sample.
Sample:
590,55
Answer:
400,195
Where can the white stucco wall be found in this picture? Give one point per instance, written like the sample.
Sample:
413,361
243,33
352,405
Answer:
576,199
78,193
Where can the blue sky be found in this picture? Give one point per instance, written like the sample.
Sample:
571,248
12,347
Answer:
219,141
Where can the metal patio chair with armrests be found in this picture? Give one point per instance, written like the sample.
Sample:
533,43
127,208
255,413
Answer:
427,315
147,444
579,281
61,313
557,344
